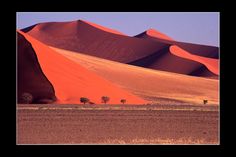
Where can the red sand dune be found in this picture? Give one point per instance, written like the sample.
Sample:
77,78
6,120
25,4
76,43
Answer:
154,85
79,36
149,49
71,81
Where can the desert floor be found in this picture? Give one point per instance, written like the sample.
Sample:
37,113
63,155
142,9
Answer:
117,124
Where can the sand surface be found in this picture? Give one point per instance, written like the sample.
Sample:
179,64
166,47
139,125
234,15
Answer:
58,124
155,86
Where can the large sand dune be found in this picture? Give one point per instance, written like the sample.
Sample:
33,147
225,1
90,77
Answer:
79,36
149,49
71,81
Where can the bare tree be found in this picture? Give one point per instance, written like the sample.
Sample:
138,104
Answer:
105,99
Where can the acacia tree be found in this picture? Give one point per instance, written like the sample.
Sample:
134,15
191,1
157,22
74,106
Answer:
123,101
105,99
84,100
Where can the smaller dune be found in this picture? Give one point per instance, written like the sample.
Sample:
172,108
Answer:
211,64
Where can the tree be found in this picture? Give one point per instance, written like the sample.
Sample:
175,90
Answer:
27,98
205,101
123,101
105,99
84,100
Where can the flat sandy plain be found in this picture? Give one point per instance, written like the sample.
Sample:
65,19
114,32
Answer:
117,124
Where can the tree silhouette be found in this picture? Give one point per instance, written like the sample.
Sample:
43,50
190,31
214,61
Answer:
84,100
105,99
27,98
123,101
205,101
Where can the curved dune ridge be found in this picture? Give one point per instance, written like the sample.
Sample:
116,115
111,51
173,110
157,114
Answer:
211,64
200,50
72,81
104,28
156,86
148,49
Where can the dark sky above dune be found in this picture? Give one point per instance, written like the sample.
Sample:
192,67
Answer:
198,27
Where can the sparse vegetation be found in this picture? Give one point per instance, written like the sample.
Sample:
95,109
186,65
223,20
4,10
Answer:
123,101
205,101
27,98
84,100
105,99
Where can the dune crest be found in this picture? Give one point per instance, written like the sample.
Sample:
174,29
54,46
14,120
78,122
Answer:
103,28
154,33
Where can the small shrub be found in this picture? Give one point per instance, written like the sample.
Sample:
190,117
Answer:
123,101
84,100
105,99
27,98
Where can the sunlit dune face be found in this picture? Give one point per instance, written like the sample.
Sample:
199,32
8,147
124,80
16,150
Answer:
148,83
155,33
210,63
71,81
104,28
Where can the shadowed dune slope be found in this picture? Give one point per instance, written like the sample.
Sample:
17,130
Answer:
30,78
71,81
149,84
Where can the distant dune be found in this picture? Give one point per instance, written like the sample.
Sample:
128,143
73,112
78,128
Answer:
150,49
210,63
71,81
201,50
